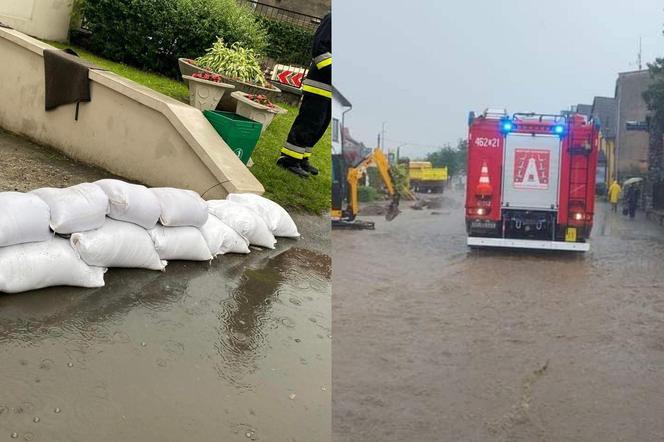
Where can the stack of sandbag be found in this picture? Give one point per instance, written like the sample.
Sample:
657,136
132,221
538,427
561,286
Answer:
122,240
71,236
178,235
31,257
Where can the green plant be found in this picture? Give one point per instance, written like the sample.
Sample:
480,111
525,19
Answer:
77,14
366,194
235,62
454,158
287,43
153,34
399,174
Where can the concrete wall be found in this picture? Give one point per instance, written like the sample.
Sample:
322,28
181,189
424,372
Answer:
631,146
48,19
126,129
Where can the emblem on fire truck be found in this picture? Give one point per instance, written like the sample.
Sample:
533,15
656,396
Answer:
531,169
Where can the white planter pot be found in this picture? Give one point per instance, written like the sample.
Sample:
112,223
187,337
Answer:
204,94
255,111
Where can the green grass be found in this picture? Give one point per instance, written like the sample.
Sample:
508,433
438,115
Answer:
310,195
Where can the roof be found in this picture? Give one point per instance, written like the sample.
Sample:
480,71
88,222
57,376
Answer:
642,71
584,109
605,108
339,96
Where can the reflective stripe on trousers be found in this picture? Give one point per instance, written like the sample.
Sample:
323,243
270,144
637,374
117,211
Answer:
323,60
316,87
294,151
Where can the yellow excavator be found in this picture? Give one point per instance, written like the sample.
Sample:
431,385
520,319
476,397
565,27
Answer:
345,182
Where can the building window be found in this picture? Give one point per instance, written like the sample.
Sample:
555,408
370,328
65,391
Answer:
335,130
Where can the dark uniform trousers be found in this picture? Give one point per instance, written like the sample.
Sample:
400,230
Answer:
315,110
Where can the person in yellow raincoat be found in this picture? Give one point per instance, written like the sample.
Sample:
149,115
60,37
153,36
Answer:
614,195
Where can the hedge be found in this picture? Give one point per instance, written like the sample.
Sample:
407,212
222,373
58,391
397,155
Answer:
287,43
153,34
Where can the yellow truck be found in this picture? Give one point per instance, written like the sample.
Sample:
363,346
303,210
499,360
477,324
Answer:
424,178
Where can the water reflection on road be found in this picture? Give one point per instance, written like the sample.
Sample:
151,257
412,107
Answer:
235,350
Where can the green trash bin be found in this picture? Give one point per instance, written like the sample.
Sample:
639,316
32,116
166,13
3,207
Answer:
240,133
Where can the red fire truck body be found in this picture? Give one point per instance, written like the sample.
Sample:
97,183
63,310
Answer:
531,180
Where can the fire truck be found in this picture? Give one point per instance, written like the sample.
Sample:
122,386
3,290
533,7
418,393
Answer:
531,180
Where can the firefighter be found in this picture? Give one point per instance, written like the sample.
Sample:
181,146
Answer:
316,107
614,195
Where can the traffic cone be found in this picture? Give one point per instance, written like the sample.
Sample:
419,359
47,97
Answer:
484,188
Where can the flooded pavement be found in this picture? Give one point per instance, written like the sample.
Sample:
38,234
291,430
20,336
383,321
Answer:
433,341
235,350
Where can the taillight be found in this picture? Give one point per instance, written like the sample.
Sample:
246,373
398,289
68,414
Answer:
483,208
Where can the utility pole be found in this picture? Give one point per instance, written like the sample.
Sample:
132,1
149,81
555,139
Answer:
639,56
383,138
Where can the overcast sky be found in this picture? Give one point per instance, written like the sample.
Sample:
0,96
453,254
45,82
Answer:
421,65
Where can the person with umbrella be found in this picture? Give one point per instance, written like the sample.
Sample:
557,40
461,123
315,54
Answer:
632,196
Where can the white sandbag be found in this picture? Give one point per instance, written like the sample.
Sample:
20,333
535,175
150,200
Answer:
49,263
244,221
23,218
221,239
277,219
75,209
180,207
131,202
117,244
180,243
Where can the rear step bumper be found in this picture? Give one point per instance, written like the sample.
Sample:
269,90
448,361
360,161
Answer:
528,244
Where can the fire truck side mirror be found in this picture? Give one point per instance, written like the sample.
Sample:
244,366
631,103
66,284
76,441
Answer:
471,117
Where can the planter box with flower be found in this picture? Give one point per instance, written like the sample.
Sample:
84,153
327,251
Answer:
205,90
257,108
237,66
189,67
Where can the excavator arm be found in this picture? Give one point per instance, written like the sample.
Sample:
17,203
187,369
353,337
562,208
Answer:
378,158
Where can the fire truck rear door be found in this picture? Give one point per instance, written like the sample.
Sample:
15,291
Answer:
531,172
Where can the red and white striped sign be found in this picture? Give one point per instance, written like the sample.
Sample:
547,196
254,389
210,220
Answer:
289,75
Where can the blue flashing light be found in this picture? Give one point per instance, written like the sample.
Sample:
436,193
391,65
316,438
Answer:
558,129
506,126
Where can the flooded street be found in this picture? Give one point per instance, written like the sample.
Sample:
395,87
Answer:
235,350
433,341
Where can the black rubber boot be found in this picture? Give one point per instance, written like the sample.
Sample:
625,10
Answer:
292,165
306,166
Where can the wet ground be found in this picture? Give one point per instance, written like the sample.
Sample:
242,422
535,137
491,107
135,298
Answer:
235,350
25,166
433,342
